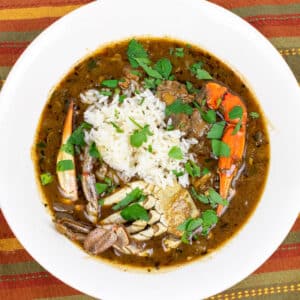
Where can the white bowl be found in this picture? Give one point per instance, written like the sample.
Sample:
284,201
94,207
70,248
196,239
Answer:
56,50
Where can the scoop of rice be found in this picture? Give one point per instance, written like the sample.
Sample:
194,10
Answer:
146,109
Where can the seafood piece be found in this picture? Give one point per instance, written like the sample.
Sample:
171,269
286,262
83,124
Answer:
88,181
67,179
219,97
74,230
167,209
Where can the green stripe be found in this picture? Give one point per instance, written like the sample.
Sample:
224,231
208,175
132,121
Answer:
294,63
272,278
78,297
20,268
27,36
286,42
4,72
292,238
267,10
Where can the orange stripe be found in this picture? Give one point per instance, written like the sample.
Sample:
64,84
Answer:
10,244
35,12
296,226
26,25
244,3
38,3
29,293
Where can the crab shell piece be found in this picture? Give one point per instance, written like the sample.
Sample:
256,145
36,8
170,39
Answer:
167,208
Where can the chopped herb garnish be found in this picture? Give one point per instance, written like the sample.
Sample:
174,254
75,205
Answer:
137,92
175,153
200,73
209,218
142,100
93,151
163,67
67,148
117,91
117,113
122,98
41,145
236,113
192,169
105,93
254,115
140,136
108,180
65,165
188,227
237,127
135,123
179,52
46,178
135,51
215,198
171,77
220,149
209,116
101,202
101,188
150,148
77,137
170,127
216,131
219,102
135,195
111,83
149,70
91,64
136,73
200,197
205,171
177,107
149,83
190,88
177,173
118,129
135,212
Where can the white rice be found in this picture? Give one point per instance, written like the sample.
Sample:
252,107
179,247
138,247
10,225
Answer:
115,148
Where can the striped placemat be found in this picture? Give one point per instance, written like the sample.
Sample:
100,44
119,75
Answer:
21,277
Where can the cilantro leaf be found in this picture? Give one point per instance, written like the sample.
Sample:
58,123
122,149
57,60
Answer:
136,50
110,83
150,148
118,129
210,219
149,70
200,197
254,115
101,188
177,107
105,93
209,116
237,128
216,131
236,113
177,173
192,169
215,198
164,67
175,153
179,52
220,148
133,196
149,83
122,98
65,165
200,73
140,136
46,178
205,171
135,212
68,148
77,137
93,151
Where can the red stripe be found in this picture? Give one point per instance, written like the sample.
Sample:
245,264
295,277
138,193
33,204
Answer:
26,25
287,250
12,47
27,280
5,231
17,256
35,292
296,226
279,264
271,31
39,3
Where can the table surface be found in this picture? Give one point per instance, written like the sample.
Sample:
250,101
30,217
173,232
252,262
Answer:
23,278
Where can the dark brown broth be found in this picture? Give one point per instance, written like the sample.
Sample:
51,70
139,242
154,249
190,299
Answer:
108,63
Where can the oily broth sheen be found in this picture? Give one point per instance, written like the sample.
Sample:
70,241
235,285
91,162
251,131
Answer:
108,63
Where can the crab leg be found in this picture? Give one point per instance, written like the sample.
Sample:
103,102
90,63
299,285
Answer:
218,97
67,179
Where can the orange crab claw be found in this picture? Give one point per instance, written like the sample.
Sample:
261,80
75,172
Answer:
67,178
218,97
